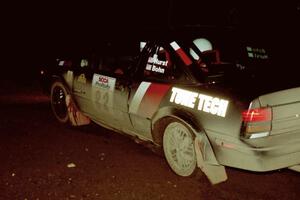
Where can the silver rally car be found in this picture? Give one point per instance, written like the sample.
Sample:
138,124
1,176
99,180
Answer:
181,96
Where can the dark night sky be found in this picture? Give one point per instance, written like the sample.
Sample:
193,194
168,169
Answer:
34,32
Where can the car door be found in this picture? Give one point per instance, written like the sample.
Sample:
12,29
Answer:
110,93
159,69
154,83
82,83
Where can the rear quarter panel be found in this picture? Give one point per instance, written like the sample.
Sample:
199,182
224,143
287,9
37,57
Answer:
286,110
229,124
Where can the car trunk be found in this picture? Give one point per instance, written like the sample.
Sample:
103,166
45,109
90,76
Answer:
276,88
285,110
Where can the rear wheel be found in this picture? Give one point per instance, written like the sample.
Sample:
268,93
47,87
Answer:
178,145
58,102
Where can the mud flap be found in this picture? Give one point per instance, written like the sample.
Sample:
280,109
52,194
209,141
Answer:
76,117
207,162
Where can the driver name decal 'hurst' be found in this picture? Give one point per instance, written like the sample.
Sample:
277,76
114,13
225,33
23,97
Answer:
205,103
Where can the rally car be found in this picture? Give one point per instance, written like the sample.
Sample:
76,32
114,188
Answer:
204,111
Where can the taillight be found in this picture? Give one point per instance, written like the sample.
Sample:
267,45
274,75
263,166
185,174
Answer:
257,122
257,115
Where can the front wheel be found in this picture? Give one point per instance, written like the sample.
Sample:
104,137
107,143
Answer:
178,145
58,102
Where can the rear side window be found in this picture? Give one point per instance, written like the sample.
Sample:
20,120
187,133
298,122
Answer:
115,65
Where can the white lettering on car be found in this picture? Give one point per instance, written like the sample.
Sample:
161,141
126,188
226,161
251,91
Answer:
156,61
208,104
156,65
158,69
183,97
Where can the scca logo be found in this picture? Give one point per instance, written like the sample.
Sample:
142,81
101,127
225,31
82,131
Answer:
103,80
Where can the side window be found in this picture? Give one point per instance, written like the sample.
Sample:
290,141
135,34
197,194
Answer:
80,63
94,61
107,64
116,58
116,65
124,64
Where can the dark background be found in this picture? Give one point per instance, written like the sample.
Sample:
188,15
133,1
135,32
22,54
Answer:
35,32
36,151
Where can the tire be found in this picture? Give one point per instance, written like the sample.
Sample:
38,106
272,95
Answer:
178,145
58,102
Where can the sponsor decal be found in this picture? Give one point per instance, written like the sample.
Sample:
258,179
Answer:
81,78
103,91
201,102
104,82
147,98
257,53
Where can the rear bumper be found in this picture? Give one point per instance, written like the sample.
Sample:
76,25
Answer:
236,153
